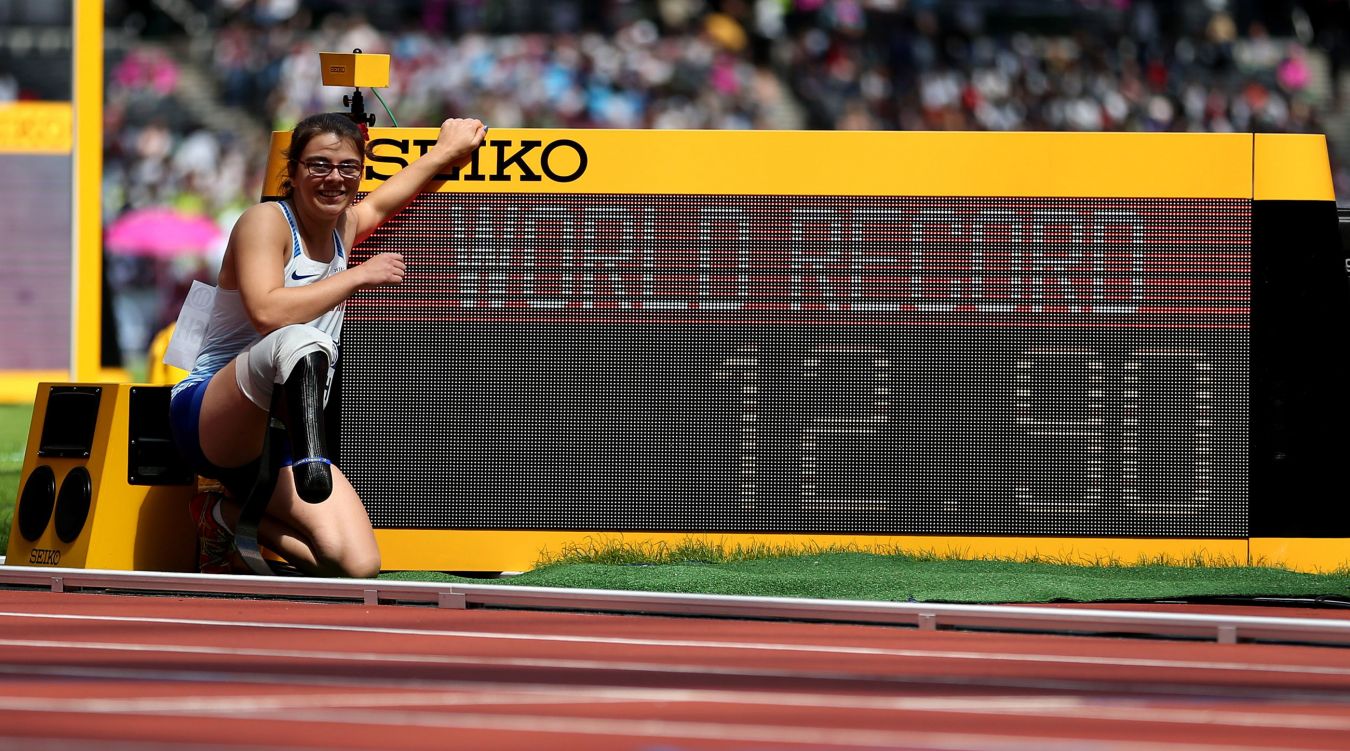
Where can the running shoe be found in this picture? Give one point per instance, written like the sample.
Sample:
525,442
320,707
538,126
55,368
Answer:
215,543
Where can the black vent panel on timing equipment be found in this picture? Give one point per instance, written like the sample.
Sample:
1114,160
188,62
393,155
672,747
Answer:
805,364
69,423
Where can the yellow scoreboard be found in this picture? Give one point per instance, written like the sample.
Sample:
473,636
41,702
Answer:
1078,345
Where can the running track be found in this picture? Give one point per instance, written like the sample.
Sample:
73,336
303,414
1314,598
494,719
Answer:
211,673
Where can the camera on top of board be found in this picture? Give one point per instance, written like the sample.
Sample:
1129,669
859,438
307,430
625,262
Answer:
355,69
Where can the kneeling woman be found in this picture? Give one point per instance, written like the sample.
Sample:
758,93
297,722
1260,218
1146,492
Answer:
275,325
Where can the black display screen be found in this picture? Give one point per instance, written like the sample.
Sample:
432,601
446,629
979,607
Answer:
847,364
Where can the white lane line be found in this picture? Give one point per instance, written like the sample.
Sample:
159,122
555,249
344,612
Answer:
1099,686
507,694
359,712
1066,706
223,678
60,743
503,694
230,705
813,737
695,644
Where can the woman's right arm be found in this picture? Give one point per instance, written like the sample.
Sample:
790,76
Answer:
259,246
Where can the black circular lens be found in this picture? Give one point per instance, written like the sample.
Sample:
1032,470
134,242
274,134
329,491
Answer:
72,505
35,504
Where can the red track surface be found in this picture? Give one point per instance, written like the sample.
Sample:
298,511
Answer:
158,672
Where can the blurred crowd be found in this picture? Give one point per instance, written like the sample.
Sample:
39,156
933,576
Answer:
1191,65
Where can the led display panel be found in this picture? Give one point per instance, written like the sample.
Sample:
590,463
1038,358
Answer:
895,364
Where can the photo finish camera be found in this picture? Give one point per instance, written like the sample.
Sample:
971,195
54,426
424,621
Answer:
355,69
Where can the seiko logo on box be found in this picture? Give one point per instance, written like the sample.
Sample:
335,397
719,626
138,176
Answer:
44,557
560,161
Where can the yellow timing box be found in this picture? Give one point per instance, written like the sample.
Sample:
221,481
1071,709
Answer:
102,486
354,69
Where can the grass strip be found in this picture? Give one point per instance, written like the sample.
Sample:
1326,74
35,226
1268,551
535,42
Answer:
847,575
14,420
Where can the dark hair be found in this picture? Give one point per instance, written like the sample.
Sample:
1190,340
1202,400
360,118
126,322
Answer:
335,123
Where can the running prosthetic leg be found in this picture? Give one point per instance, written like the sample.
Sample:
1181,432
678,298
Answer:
304,424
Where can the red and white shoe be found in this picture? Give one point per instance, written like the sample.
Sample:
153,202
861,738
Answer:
215,543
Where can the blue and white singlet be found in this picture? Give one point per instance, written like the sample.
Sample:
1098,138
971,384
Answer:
230,331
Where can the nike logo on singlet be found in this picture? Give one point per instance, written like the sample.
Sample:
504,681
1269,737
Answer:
296,276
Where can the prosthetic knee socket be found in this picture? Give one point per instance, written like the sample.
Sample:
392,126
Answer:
297,357
304,399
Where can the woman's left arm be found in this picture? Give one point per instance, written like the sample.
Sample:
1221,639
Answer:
454,147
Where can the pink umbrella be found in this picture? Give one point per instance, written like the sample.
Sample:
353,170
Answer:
158,232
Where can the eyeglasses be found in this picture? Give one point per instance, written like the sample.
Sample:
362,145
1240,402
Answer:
321,168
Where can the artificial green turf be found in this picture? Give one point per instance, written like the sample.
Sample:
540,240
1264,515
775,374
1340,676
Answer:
14,419
864,576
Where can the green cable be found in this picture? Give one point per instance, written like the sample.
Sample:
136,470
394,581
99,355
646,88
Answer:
376,92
